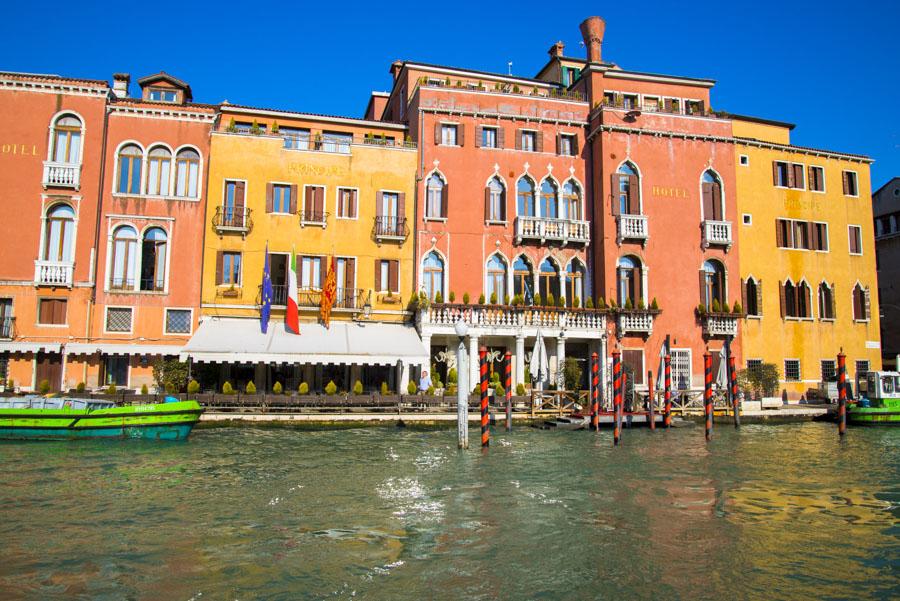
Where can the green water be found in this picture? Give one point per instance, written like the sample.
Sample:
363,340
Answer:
786,512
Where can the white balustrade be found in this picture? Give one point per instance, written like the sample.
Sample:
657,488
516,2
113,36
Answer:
640,322
548,228
504,316
720,325
53,273
632,227
716,232
62,175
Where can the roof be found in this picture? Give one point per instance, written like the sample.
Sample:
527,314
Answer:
790,147
50,76
885,185
240,108
759,120
505,76
162,75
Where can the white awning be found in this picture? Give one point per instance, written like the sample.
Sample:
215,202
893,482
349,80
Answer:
29,347
233,340
91,348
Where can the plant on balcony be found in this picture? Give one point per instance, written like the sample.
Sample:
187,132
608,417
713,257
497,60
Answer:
629,306
561,302
516,89
384,389
408,140
318,141
250,388
438,298
520,389
589,303
576,303
226,388
716,306
452,296
452,376
534,91
447,82
303,388
481,299
612,304
330,388
499,391
44,386
537,302
701,309
144,389
193,387
506,299
358,388
641,305
111,390
738,309
232,291
275,130
424,302
550,301
232,126
654,306
277,388
430,391
411,388
80,387
465,298
493,298
255,128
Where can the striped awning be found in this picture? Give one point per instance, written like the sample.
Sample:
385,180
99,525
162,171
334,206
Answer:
29,347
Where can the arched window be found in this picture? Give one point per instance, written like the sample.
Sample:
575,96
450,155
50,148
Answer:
753,297
860,303
129,181
59,234
153,259
630,281
548,280
436,197
712,197
525,204
572,201
495,201
187,173
803,298
66,144
826,301
523,280
626,187
159,162
575,283
549,199
433,275
495,281
795,300
124,258
712,285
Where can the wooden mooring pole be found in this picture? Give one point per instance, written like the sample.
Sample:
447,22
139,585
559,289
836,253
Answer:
595,391
735,403
651,401
707,393
485,420
667,410
507,368
617,396
842,392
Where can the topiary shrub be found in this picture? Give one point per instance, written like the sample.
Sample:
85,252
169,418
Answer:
561,302
144,389
601,303
277,388
111,390
44,386
452,376
169,388
193,387
226,388
550,300
481,299
452,297
255,128
576,302
538,301
628,304
465,298
493,298
438,297
330,388
701,309
499,391
275,127
430,391
477,388
738,309
716,306
384,388
654,305
80,387
232,126
358,388
641,305
451,390
520,389
411,388
250,388
303,388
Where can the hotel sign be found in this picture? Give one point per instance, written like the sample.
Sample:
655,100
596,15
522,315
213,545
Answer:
669,192
28,150
317,170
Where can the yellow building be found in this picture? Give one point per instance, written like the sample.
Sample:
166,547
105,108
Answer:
339,193
807,257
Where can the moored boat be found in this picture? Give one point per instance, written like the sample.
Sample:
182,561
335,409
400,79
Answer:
35,417
879,403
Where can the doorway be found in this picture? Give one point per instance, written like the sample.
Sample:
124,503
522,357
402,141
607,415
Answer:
48,366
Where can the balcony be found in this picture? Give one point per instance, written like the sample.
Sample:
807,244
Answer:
551,229
232,220
717,233
638,322
631,227
511,320
6,326
353,299
720,324
53,273
314,218
62,175
390,229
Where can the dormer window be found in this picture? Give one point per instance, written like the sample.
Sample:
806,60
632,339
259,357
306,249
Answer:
162,95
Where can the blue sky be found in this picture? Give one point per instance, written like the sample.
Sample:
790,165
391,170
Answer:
830,67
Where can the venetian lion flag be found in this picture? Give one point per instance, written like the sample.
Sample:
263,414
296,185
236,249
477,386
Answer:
291,318
329,294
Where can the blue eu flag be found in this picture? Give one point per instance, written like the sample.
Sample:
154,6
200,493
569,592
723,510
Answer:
265,307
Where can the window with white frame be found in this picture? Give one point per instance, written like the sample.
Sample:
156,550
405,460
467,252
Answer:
346,203
851,183
229,269
311,273
816,178
153,259
436,195
855,235
162,95
829,370
495,279
281,198
528,141
178,321
123,262
792,370
187,173
862,367
59,234
129,165
159,162
681,369
489,137
448,134
118,319
571,200
567,145
495,201
66,142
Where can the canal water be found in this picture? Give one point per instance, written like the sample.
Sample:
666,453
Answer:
769,512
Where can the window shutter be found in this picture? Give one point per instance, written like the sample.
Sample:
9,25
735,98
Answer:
437,133
638,285
868,304
239,190
846,179
614,192
350,274
759,298
220,259
444,200
501,137
558,143
744,294
814,235
293,203
354,203
702,107
320,200
774,173
717,202
634,207
833,301
779,233
707,189
270,195
703,289
309,199
461,134
401,206
575,144
790,176
539,141
798,175
667,105
487,203
811,178
781,298
519,147
377,286
379,202
394,275
478,136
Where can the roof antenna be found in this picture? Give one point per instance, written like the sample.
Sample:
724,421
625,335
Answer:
509,67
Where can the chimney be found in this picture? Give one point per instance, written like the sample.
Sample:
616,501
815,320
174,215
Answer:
395,69
556,49
120,84
592,32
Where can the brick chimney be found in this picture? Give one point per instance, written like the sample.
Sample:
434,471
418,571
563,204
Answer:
395,69
592,31
120,84
556,49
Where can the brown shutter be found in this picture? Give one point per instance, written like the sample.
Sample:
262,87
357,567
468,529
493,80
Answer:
377,285
354,203
759,298
790,176
320,200
539,141
293,204
811,178
487,203
379,203
350,274
798,175
868,304
461,134
814,237
575,144
394,275
638,285
708,211
558,143
220,259
270,197
781,298
667,105
779,233
614,192
717,202
774,173
744,294
634,206
239,191
445,192
437,133
478,136
807,226
309,200
519,147
401,207
703,289
846,179
501,137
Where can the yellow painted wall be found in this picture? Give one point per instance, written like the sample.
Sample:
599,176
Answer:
773,338
262,159
761,131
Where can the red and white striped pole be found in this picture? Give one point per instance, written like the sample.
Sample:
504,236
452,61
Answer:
595,391
842,392
617,395
667,410
485,421
707,393
735,404
507,367
651,401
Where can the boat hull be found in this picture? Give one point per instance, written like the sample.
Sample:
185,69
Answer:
874,416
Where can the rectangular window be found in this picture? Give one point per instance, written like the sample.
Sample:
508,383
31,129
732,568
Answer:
780,174
855,234
158,95
52,311
801,235
681,369
231,269
346,203
311,273
313,204
635,360
336,142
792,370
862,367
383,275
816,178
178,321
6,318
295,138
118,319
448,135
629,101
528,141
829,370
247,128
797,180
784,232
567,145
745,160
489,137
115,370
754,365
851,183
820,236
281,198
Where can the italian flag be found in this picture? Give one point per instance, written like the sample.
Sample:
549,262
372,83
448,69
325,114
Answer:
291,318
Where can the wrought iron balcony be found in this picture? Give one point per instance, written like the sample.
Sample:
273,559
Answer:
631,227
720,324
390,228
552,229
62,175
230,219
635,321
53,273
346,298
717,233
316,218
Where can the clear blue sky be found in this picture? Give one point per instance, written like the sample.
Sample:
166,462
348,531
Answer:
830,67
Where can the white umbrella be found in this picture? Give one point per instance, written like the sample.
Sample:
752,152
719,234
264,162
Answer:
540,364
661,372
722,375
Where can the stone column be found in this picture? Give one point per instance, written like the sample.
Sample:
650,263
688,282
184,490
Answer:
520,360
560,359
474,366
402,377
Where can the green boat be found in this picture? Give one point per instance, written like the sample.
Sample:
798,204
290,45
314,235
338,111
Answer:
879,400
35,417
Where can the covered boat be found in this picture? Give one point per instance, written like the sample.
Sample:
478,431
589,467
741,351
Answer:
35,417
879,402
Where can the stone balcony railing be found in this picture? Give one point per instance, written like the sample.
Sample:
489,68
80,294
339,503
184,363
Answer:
441,318
53,273
717,233
637,321
631,227
553,229
720,324
62,175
